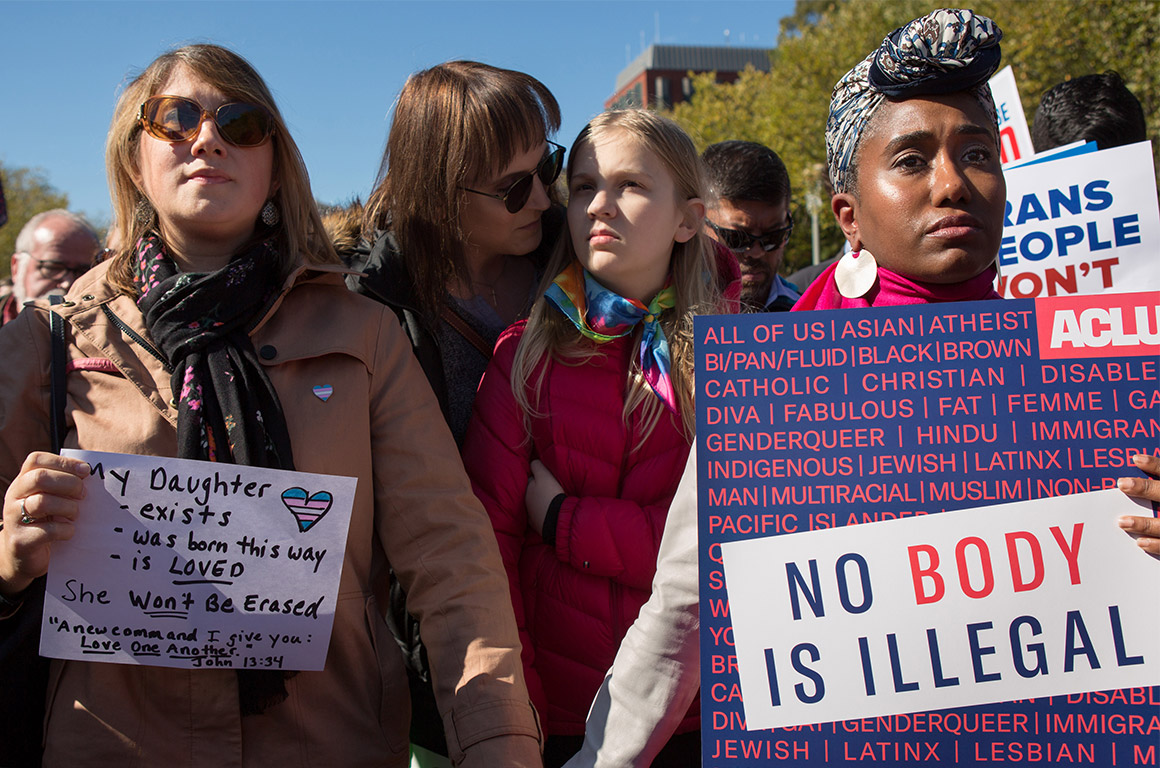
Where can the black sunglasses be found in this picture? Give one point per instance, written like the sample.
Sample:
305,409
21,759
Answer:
516,196
176,119
740,242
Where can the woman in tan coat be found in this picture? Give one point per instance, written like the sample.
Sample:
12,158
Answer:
204,338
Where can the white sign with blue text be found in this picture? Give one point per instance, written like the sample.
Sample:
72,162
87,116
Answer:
1086,224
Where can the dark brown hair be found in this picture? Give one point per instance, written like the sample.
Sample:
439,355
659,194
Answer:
454,124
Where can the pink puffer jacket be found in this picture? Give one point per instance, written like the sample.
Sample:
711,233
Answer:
574,601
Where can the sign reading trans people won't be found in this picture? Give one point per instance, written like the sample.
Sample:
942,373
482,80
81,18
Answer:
1086,224
818,421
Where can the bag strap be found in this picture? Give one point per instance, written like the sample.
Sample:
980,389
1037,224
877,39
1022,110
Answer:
452,318
58,362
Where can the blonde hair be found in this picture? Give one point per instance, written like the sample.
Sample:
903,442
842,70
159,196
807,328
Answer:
453,124
299,233
343,226
549,334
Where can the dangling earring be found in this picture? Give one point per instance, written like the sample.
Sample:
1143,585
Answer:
856,273
270,215
143,212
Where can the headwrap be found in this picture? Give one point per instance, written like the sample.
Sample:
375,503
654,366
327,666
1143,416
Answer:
946,51
227,409
602,315
893,290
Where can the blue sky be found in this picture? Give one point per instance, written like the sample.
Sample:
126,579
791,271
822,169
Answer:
335,67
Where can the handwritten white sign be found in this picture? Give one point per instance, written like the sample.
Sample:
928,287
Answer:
191,564
1087,224
1023,600
1014,137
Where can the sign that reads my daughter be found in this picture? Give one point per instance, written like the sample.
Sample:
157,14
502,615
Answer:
192,564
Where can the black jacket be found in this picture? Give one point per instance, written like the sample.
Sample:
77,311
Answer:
387,280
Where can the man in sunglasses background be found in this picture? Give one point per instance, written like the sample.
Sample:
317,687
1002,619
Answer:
53,249
749,214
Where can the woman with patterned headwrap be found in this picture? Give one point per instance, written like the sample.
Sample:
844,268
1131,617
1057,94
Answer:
913,151
912,144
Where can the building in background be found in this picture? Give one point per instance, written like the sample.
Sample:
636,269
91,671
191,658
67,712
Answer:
660,75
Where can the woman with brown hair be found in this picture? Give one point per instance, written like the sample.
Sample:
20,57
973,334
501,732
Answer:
201,339
455,237
460,222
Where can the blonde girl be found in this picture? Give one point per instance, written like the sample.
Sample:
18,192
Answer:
584,418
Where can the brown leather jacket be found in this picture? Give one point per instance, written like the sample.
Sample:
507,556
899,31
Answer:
414,509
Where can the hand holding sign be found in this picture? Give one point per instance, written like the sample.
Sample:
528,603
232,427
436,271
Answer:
39,508
195,564
1146,529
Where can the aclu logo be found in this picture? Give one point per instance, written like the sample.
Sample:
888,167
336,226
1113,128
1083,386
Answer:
1104,325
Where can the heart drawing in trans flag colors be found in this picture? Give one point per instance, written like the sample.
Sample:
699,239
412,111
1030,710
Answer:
323,392
307,509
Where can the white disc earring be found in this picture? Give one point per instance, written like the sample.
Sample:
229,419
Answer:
856,274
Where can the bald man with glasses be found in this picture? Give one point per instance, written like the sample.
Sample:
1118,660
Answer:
53,249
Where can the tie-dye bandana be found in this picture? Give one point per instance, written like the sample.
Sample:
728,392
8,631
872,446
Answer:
603,315
946,51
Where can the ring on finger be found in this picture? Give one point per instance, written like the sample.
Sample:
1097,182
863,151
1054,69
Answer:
25,518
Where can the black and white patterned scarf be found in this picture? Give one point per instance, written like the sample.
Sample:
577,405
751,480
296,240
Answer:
227,409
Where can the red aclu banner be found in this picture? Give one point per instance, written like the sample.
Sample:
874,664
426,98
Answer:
1122,324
